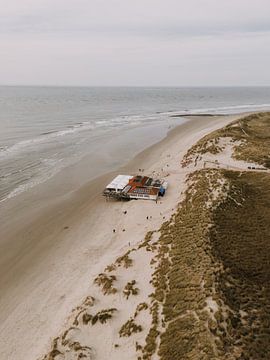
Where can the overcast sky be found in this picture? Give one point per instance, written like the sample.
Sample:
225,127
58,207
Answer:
140,42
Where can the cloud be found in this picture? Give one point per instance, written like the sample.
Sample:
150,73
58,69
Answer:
143,17
116,42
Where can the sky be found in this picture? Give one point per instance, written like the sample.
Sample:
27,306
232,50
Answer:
135,43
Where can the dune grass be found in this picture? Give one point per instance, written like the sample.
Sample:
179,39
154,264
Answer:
151,338
130,289
240,239
189,277
124,260
106,283
102,316
129,328
253,134
215,289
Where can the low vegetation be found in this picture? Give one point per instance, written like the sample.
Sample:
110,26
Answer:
102,316
124,261
252,134
187,274
106,283
65,348
214,285
129,328
151,339
141,307
110,268
147,239
130,289
79,310
240,240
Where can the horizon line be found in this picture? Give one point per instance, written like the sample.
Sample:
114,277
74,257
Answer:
131,86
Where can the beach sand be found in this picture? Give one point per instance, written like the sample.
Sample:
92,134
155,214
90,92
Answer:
50,257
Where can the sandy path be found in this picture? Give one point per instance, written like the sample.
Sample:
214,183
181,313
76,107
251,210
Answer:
63,248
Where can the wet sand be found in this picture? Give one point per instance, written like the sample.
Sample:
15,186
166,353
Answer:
47,255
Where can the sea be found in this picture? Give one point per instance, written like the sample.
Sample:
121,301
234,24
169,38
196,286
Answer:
44,130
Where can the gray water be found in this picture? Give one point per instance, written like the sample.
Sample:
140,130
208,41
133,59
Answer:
45,129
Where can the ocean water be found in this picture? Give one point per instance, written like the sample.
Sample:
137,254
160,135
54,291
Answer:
45,129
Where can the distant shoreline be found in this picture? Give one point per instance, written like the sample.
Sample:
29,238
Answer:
199,115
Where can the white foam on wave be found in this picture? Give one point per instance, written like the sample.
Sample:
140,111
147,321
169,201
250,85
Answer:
132,120
77,128
46,137
125,120
48,172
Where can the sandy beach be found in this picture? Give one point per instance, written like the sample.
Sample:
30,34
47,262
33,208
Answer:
50,257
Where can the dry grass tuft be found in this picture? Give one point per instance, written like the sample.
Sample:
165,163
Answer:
141,307
151,339
129,328
102,316
147,239
124,260
110,268
106,283
129,289
71,349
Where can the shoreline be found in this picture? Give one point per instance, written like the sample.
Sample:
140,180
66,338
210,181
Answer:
62,256
100,156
